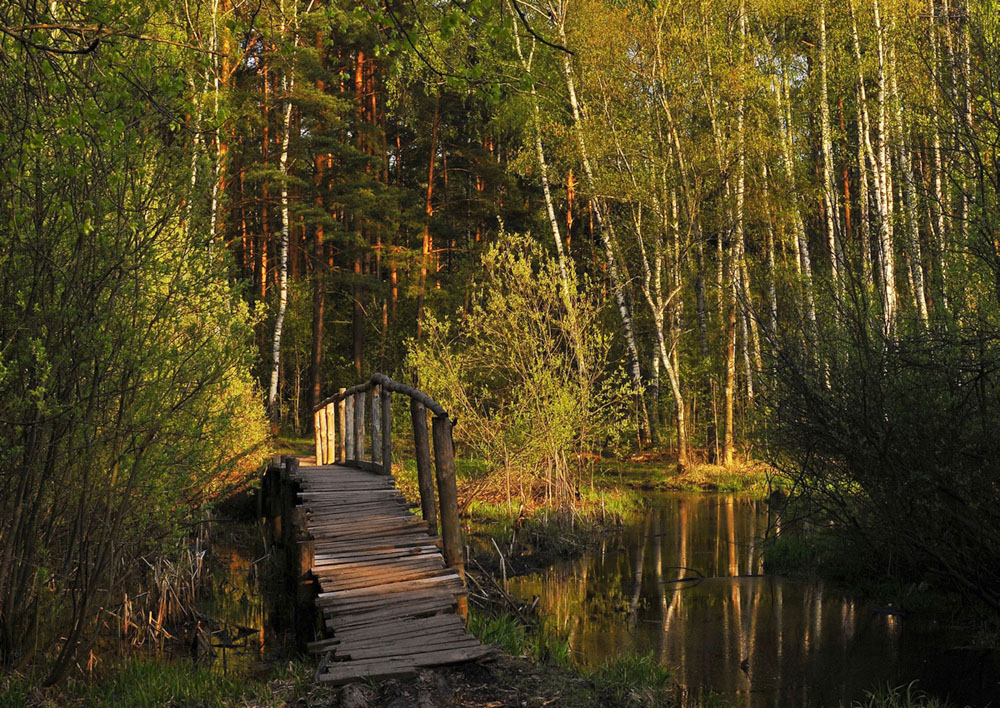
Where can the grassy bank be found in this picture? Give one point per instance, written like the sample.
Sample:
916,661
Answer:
652,473
626,680
162,681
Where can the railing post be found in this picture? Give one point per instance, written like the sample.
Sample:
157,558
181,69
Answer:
385,404
359,428
322,455
451,533
319,437
342,429
330,454
376,406
349,423
425,478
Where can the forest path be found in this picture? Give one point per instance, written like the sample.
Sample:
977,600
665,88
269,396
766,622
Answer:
386,594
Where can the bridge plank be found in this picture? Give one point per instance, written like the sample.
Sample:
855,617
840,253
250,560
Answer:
386,593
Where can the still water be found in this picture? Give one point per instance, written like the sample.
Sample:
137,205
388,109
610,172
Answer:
686,583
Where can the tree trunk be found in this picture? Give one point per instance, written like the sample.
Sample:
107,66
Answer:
427,245
830,201
607,235
886,253
272,396
804,261
909,198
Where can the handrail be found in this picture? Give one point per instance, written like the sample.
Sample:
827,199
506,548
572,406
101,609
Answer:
339,425
390,385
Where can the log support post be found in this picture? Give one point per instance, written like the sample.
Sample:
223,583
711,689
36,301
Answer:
317,432
385,409
451,532
349,425
359,429
376,408
330,456
270,494
425,477
299,554
342,429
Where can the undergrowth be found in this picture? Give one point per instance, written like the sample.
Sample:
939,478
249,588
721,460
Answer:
633,679
149,681
540,641
907,696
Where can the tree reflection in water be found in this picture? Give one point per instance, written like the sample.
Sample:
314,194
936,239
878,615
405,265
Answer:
759,640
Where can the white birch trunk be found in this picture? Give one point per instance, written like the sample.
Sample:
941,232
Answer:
913,250
607,234
805,263
830,201
288,83
890,297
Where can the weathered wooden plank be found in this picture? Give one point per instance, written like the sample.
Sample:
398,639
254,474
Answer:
338,495
361,527
373,579
340,671
406,648
386,590
427,549
411,626
325,545
378,617
449,580
398,645
412,535
335,559
360,566
368,515
370,568
358,605
386,505
340,485
400,599
344,614
340,674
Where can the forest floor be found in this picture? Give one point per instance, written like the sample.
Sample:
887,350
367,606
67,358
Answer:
505,681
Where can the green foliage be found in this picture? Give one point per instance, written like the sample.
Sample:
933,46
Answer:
542,640
124,358
892,450
524,370
499,629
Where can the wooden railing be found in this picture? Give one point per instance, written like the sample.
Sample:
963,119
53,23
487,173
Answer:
341,430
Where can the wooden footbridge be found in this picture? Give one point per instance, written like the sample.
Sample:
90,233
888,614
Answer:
377,592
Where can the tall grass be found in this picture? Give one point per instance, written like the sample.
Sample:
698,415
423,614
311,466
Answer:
633,679
907,696
541,641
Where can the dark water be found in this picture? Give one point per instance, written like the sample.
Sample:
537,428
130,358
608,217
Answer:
757,640
241,609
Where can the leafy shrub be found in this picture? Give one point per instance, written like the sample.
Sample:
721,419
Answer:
524,368
125,391
894,449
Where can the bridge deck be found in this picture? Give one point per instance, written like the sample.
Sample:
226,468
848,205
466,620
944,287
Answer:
385,593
